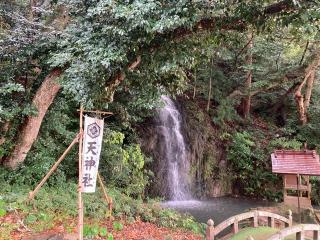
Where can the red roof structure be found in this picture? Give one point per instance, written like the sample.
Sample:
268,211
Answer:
303,162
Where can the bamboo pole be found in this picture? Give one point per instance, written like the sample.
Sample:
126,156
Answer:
53,168
80,203
96,111
108,199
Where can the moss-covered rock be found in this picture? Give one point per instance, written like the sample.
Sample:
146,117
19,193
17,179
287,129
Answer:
207,152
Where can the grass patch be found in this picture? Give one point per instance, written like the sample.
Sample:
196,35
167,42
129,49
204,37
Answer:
58,206
259,233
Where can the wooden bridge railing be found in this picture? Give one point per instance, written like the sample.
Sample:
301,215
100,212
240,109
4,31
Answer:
233,221
299,231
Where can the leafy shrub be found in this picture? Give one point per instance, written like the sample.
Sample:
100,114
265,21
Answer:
3,210
225,112
90,231
285,143
250,161
315,190
103,232
117,226
123,165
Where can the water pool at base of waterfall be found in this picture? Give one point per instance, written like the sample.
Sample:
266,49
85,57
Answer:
218,209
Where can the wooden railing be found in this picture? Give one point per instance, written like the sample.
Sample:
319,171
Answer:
299,231
233,221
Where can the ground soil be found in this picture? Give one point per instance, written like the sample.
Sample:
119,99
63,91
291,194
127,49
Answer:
136,231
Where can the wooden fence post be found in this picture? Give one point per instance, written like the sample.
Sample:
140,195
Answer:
210,230
290,218
235,227
300,235
271,222
255,219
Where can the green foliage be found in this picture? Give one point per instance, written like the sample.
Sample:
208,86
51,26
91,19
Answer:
225,112
93,231
117,226
3,211
57,132
110,236
31,219
90,231
285,143
251,163
241,154
103,232
123,165
257,233
60,204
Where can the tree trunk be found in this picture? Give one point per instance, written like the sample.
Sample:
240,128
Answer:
248,82
42,101
30,129
303,101
209,94
309,88
194,86
300,106
32,6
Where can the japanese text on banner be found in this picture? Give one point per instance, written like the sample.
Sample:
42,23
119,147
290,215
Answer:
93,133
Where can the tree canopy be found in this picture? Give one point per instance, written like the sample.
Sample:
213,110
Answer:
122,55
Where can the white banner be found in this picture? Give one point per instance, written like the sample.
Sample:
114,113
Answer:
92,140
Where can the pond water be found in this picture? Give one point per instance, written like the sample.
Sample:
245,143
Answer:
217,209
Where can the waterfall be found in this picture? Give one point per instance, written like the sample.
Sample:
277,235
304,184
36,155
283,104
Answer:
177,164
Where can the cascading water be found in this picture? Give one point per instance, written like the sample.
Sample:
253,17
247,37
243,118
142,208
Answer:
175,151
172,170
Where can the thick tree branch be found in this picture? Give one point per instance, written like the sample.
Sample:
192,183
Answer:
112,84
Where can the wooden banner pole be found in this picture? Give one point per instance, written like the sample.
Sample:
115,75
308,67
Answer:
53,168
80,203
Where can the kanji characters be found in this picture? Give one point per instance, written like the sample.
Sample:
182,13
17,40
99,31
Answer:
86,180
88,163
92,148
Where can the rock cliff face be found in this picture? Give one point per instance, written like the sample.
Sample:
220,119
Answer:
205,152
